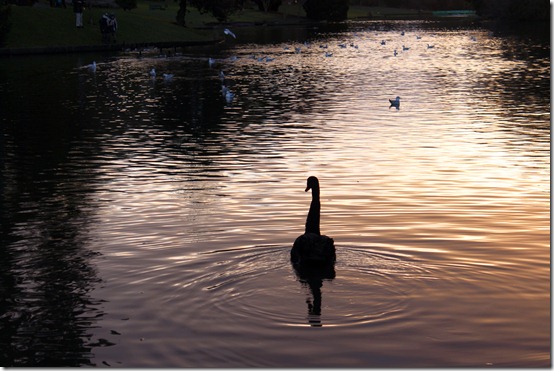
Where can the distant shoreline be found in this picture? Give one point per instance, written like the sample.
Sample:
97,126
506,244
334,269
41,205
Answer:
174,38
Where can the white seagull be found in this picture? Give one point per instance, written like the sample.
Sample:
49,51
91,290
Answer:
229,32
168,76
153,72
91,67
395,103
227,94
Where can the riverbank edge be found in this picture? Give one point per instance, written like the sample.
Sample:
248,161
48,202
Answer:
66,49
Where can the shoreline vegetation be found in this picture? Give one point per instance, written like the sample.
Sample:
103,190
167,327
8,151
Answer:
41,29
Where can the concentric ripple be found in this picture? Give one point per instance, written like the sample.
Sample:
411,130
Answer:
260,283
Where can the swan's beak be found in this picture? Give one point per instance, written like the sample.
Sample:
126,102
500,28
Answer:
307,189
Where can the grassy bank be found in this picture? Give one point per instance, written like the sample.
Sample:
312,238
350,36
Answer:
42,26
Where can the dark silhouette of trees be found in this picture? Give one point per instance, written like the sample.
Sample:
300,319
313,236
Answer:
181,13
326,10
5,24
220,9
126,4
515,10
268,5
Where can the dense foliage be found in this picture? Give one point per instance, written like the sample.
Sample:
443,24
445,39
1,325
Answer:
326,10
126,4
220,9
268,5
5,11
517,10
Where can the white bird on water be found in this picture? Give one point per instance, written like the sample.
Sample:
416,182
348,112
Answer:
229,32
168,76
227,94
91,67
395,103
153,72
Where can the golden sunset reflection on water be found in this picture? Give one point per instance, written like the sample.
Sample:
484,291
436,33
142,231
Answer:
439,210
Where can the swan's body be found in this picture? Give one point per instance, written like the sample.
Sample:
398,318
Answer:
312,247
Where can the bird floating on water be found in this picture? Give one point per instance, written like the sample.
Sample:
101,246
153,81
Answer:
229,32
395,53
152,72
211,62
430,46
395,103
405,48
327,54
227,94
91,67
168,76
313,248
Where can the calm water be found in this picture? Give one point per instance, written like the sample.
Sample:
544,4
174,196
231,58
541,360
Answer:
148,223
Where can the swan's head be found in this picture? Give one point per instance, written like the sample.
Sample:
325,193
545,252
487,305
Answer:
313,182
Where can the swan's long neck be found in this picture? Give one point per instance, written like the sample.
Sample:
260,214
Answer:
312,222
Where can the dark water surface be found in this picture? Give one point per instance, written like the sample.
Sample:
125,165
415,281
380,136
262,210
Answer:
147,222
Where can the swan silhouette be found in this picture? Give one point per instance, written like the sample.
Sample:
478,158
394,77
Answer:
313,248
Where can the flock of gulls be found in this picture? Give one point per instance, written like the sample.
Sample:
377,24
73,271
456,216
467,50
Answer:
228,95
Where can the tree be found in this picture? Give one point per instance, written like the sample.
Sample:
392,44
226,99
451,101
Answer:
126,4
268,5
516,10
326,10
5,11
220,9
180,18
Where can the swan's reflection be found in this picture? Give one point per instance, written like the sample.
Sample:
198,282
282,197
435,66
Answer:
312,276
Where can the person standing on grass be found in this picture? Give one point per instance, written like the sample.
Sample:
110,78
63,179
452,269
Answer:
78,7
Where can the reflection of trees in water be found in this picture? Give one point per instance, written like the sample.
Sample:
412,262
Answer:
46,275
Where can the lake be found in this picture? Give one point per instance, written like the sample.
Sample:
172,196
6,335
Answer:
147,221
